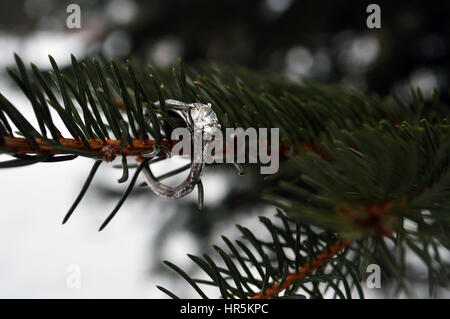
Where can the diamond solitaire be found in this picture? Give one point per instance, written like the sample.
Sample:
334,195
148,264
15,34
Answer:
204,117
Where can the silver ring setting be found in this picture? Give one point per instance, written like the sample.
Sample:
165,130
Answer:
200,119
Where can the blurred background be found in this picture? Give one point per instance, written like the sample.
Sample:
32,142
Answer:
322,40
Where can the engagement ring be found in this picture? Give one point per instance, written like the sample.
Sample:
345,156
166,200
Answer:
200,119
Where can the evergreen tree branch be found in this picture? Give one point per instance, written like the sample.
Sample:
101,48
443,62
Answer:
304,270
95,147
256,264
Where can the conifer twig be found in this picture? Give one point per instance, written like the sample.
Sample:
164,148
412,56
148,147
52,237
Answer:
306,269
23,146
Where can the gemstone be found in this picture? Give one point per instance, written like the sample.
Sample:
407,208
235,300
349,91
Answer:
204,117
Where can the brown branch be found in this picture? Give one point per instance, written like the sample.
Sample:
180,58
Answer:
21,145
97,146
109,149
306,269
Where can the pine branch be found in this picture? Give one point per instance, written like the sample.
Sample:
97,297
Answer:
103,149
237,277
305,270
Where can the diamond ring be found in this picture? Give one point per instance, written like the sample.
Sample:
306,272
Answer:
200,118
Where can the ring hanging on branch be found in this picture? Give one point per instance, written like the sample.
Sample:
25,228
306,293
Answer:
200,118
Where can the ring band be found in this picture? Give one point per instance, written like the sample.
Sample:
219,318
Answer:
198,117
